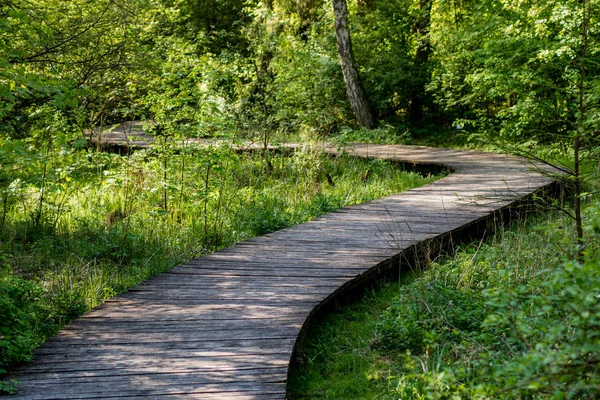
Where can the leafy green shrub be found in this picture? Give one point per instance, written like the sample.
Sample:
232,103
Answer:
429,310
264,214
20,306
552,336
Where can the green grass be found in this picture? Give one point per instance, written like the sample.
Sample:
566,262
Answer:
509,317
101,226
338,361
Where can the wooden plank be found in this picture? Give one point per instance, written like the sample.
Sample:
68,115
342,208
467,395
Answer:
150,366
165,337
236,315
76,352
220,310
198,297
188,326
199,272
238,283
264,394
166,377
67,392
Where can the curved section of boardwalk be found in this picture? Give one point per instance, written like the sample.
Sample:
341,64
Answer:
225,325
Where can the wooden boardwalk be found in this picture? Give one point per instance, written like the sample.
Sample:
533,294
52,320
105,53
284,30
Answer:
224,326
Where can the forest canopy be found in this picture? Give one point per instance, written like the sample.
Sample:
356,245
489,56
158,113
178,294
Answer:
499,68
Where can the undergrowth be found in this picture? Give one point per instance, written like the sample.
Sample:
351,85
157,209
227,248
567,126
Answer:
508,317
96,224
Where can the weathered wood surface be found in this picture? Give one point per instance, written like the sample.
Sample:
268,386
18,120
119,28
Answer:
225,325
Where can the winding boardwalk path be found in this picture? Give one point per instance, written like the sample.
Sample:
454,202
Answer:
224,326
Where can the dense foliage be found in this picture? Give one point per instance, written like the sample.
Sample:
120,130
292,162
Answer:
525,71
519,75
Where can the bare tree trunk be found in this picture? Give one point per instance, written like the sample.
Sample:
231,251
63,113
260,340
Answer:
354,87
415,110
577,146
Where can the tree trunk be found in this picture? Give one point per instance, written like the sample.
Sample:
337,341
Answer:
354,87
415,109
579,131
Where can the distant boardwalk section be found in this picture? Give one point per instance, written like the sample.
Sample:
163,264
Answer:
224,326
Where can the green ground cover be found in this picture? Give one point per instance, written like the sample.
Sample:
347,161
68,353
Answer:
97,223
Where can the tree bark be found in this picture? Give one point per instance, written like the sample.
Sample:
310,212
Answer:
579,131
421,27
354,87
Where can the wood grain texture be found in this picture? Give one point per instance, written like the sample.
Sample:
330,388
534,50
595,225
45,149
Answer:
225,325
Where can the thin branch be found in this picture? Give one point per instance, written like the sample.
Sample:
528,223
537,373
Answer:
51,49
